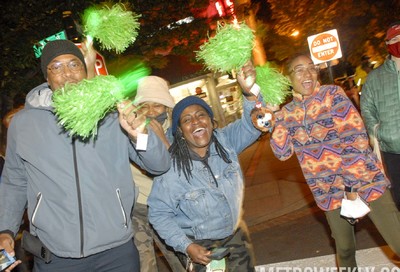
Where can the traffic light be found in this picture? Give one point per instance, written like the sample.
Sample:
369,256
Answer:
72,29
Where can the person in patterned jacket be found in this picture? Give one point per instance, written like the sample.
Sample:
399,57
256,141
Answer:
325,131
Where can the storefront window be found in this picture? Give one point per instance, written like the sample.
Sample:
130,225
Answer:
222,94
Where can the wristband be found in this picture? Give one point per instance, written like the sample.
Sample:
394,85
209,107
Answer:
255,89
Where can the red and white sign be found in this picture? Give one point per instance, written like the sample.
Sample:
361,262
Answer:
100,65
324,46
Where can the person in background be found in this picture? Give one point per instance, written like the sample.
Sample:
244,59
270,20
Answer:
155,103
18,104
352,91
322,127
362,71
200,93
197,204
380,104
78,194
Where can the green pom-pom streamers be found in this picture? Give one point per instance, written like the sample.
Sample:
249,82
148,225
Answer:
116,28
130,77
80,106
229,49
274,86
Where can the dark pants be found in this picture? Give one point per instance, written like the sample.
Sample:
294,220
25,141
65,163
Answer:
124,258
386,219
392,164
240,257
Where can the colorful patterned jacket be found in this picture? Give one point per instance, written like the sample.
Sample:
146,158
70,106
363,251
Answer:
328,136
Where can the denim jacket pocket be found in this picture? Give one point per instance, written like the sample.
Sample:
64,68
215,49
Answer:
232,173
195,204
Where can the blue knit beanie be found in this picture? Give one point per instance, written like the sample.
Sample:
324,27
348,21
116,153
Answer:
183,104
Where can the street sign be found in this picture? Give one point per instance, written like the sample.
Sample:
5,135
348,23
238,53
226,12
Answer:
324,46
100,65
38,47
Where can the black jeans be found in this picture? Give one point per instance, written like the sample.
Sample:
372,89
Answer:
392,164
124,258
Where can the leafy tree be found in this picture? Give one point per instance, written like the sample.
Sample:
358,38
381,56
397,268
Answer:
26,22
361,25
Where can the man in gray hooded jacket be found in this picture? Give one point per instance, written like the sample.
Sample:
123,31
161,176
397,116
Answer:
78,194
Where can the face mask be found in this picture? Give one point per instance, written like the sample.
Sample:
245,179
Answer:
162,117
394,49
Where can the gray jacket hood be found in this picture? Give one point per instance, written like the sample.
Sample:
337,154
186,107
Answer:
40,97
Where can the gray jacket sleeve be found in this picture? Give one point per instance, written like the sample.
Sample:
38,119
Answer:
368,107
13,187
155,159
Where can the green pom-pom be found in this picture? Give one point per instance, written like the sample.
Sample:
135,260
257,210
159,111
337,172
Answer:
80,106
129,72
229,49
274,86
115,28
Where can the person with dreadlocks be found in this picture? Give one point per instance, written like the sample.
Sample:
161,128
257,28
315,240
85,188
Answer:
197,205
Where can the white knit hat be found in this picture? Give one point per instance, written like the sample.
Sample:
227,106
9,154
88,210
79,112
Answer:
154,89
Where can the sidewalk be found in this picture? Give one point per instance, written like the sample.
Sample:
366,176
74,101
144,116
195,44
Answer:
273,188
377,259
300,242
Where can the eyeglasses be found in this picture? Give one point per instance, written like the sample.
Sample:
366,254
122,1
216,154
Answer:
58,67
301,69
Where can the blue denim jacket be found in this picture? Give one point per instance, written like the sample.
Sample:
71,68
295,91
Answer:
181,209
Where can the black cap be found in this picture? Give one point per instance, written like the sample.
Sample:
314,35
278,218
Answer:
56,48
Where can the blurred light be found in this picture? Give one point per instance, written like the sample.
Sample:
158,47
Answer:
186,20
295,33
220,8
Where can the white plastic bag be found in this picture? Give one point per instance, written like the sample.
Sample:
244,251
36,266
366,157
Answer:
354,208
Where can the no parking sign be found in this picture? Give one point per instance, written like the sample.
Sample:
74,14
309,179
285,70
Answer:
324,46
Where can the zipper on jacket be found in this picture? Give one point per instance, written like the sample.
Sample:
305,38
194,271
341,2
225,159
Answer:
38,200
122,207
78,191
305,117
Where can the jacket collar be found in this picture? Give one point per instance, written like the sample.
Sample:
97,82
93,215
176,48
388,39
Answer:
299,99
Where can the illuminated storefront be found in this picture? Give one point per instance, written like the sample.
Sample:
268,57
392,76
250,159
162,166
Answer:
222,93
